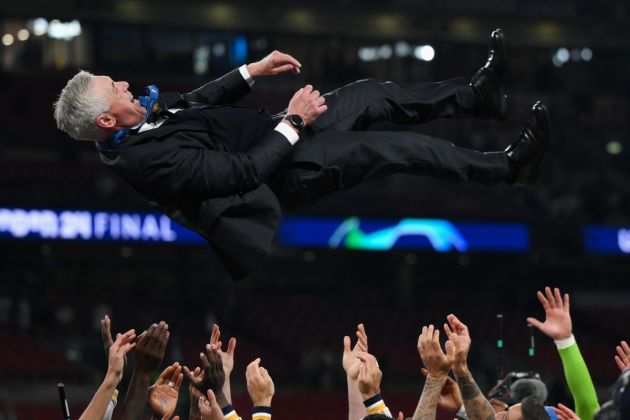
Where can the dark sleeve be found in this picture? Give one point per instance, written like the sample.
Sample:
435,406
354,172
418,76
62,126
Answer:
225,90
177,172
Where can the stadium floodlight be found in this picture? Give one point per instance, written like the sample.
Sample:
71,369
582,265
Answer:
424,52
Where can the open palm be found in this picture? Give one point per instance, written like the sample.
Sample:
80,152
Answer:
557,323
163,395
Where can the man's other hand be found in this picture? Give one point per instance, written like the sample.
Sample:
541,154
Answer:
308,104
275,63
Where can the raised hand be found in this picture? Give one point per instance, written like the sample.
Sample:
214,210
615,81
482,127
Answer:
213,369
196,379
623,356
117,354
457,333
275,63
565,413
227,356
163,394
259,384
369,375
210,376
557,323
209,408
151,347
350,361
437,363
308,104
450,397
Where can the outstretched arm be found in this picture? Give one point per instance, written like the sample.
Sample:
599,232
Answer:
476,405
559,327
273,64
233,86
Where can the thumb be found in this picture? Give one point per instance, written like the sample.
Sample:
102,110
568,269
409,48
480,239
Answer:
401,415
211,397
536,323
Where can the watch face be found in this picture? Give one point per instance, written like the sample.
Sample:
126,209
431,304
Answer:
296,121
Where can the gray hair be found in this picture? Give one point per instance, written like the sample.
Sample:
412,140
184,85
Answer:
78,106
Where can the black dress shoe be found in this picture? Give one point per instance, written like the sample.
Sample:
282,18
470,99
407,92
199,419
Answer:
488,81
527,152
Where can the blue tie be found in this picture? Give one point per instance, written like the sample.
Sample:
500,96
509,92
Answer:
150,103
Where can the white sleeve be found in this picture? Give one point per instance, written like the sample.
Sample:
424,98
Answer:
287,132
248,77
567,342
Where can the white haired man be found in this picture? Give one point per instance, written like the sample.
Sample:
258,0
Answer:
225,171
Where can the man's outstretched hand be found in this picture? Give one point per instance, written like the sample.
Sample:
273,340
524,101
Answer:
557,323
275,63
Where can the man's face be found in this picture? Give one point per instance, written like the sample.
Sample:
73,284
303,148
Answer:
514,412
124,110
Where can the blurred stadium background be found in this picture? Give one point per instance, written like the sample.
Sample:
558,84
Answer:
573,227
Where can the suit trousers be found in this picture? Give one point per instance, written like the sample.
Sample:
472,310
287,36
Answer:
340,149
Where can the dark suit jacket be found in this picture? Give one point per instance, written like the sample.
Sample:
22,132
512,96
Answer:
206,169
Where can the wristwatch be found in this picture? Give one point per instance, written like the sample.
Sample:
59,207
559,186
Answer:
296,121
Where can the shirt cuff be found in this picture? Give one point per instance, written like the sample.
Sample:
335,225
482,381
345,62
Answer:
261,413
461,413
229,413
248,77
287,132
376,405
567,342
